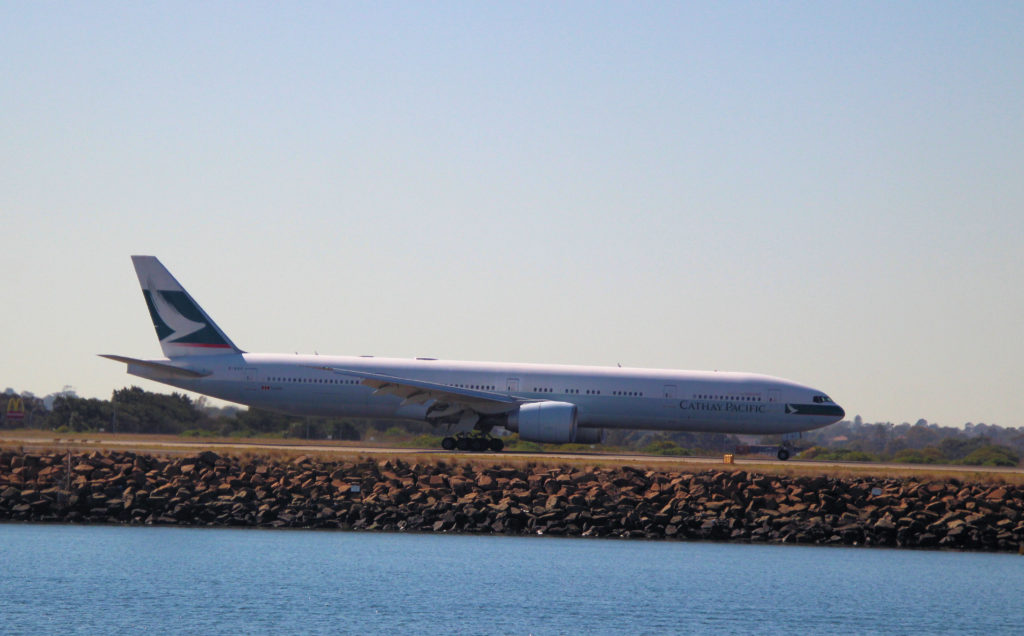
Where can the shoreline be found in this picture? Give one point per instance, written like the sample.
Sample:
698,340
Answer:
722,504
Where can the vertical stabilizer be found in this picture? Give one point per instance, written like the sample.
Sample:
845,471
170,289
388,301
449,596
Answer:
182,326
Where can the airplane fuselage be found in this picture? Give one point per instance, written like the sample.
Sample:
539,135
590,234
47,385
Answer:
606,397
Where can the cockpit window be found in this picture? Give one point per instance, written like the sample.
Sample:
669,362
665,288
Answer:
822,399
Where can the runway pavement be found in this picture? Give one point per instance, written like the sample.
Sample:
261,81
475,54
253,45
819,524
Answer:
174,446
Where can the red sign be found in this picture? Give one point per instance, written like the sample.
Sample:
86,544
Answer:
15,409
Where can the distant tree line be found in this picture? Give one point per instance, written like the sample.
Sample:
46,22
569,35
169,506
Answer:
133,410
918,443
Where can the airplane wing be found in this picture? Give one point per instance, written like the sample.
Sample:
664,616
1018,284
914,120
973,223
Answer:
450,400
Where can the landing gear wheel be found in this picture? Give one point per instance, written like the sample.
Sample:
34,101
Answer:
783,454
475,443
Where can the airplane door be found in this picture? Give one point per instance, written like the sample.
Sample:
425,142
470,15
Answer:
670,405
669,393
774,396
251,376
513,385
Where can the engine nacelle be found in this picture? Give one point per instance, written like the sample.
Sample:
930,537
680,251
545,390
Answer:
547,422
552,423
590,436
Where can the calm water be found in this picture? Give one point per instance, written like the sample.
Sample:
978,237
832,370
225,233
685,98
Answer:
100,579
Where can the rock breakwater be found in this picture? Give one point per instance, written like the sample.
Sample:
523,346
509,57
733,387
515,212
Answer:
734,505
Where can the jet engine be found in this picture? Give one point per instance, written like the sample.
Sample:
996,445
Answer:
589,435
550,422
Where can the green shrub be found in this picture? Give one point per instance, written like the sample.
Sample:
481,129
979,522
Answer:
991,455
424,441
526,447
837,455
926,455
197,432
665,447
572,448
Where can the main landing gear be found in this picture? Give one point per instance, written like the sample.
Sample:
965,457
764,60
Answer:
473,443
785,451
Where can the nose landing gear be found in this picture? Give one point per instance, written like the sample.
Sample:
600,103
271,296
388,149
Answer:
787,450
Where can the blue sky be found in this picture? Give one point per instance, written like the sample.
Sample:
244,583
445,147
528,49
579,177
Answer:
828,192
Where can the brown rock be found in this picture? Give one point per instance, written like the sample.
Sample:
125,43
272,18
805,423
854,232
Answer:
885,524
207,457
998,494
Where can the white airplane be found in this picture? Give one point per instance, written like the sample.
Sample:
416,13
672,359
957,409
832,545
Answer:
542,402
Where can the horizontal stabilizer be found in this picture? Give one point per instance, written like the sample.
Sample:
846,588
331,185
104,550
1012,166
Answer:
157,366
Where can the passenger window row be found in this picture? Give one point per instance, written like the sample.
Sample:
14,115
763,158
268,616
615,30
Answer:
734,398
540,389
310,380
